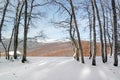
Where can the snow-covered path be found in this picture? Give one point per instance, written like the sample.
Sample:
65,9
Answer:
58,68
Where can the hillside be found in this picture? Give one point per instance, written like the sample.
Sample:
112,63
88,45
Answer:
60,49
31,45
55,48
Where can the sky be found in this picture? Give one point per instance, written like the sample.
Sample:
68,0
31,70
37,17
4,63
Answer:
44,24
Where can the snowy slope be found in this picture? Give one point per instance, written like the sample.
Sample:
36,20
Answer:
58,68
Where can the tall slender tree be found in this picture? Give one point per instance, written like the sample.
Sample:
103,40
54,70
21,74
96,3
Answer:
25,33
94,34
108,34
90,30
16,30
101,32
27,19
104,31
77,30
3,17
115,37
71,29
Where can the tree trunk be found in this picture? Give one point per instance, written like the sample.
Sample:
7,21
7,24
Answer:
25,34
105,41
90,28
16,31
100,28
74,44
78,34
10,44
3,17
16,27
115,37
108,35
94,34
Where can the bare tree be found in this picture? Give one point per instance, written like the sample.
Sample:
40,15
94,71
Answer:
104,31
108,34
2,22
115,37
16,26
7,46
69,22
101,32
3,17
90,28
74,43
27,20
77,30
94,34
25,33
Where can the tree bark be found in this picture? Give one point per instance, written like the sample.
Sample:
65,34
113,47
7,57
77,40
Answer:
90,34
26,26
25,34
78,34
3,17
94,35
16,27
8,49
104,29
101,32
74,44
108,35
115,37
16,30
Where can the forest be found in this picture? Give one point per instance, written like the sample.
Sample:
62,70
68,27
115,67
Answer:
100,20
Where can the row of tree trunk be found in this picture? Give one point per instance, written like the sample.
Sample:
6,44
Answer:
15,31
98,12
103,46
97,19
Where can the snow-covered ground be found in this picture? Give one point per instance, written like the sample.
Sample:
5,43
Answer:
53,40
58,68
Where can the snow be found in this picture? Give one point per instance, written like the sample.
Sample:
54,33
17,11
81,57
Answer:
53,40
12,53
58,68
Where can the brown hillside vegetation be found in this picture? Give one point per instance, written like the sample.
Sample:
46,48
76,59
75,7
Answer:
61,49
